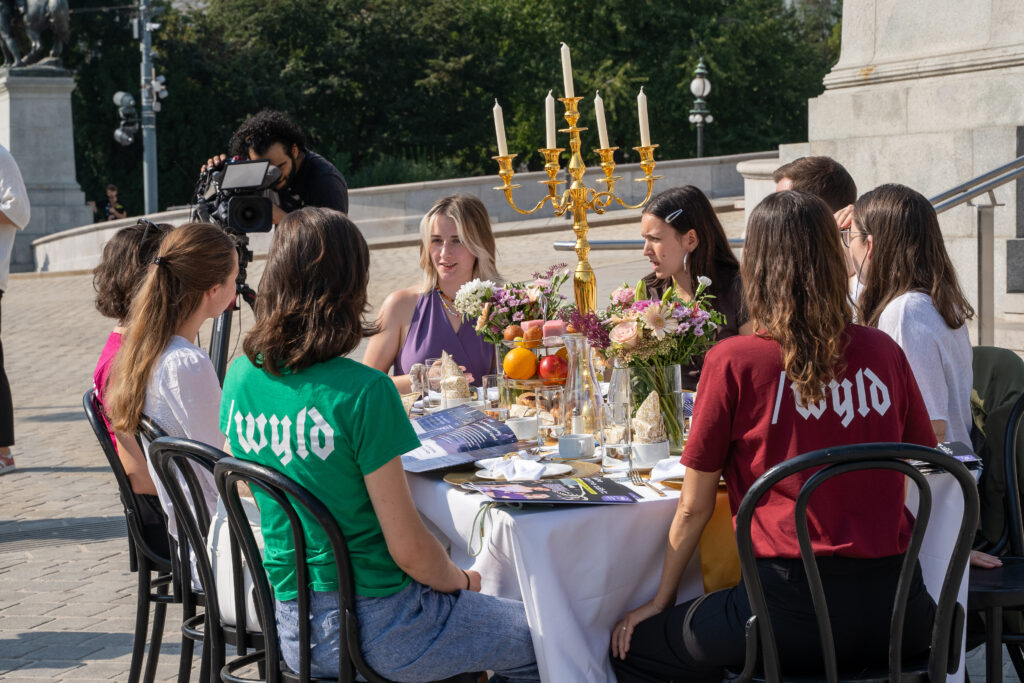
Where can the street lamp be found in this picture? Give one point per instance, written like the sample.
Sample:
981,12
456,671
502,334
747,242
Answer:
700,86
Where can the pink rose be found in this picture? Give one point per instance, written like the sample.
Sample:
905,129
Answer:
625,334
623,296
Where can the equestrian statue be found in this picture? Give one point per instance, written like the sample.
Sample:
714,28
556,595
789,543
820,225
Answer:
35,17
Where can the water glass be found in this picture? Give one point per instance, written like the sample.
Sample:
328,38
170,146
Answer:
432,383
616,427
550,414
494,395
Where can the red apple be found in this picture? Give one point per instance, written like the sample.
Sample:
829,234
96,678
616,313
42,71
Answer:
553,368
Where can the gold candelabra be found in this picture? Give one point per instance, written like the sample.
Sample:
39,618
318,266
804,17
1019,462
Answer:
579,198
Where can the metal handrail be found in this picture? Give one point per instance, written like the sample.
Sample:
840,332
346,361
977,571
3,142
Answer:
970,189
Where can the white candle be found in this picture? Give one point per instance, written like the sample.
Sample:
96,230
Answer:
567,72
549,119
602,128
499,130
645,130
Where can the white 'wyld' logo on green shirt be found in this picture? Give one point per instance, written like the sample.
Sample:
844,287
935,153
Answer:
312,433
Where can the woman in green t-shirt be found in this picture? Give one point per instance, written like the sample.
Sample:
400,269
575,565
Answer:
296,404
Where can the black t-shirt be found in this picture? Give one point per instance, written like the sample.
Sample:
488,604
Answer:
104,210
316,183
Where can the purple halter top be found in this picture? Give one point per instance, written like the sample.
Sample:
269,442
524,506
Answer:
430,333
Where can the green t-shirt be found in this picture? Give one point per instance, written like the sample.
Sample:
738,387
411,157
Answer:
325,427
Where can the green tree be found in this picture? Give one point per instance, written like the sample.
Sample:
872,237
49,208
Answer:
393,92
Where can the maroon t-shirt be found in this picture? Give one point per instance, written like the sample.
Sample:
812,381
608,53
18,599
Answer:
748,417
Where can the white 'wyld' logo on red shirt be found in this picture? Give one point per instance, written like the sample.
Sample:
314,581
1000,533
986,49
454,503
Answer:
868,392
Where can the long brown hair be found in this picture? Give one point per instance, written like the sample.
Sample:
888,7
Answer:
312,297
794,280
192,259
126,256
474,226
908,254
690,209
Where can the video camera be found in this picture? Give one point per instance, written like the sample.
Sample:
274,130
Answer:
232,196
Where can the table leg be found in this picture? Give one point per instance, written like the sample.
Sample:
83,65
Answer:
994,645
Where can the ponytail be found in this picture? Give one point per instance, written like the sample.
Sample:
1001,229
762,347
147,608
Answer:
191,260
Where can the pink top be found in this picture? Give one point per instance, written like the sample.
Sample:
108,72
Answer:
102,373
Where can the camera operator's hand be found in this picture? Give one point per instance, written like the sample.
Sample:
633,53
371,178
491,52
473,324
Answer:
214,162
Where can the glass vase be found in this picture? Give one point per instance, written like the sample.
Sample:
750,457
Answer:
667,380
582,396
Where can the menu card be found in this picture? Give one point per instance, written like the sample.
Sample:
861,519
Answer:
958,450
583,490
457,436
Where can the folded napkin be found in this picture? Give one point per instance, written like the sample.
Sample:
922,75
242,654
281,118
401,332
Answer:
668,468
489,463
518,469
648,424
453,380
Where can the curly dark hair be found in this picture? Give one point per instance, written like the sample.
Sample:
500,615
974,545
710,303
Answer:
264,129
126,257
312,297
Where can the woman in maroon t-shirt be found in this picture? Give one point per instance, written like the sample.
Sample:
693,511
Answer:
808,379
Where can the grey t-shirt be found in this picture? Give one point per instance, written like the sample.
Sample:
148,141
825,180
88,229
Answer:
941,358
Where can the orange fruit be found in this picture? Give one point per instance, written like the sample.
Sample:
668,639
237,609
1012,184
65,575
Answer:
519,363
563,353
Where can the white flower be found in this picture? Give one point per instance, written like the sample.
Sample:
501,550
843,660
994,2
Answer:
470,299
704,281
659,321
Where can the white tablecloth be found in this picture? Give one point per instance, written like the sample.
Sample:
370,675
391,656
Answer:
578,569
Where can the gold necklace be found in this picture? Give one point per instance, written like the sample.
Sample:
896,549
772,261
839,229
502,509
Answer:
448,303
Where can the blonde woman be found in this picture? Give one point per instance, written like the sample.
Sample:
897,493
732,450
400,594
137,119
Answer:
420,322
158,371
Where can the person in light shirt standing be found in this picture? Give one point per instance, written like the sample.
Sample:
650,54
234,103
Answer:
14,216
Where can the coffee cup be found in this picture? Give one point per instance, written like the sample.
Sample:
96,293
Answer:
575,446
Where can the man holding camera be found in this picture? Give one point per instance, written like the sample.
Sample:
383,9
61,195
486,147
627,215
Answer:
307,179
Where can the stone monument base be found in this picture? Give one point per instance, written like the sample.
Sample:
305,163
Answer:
35,125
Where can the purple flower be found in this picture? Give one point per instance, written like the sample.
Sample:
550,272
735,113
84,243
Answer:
698,331
518,316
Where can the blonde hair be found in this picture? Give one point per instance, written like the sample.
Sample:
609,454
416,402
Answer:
795,284
474,226
192,259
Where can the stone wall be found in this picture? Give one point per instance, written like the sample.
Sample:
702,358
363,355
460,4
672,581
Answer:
929,94
393,211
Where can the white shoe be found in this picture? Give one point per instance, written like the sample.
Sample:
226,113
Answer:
6,463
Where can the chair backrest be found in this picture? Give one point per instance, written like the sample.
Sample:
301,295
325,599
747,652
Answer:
1014,524
998,384
175,460
129,499
289,495
831,462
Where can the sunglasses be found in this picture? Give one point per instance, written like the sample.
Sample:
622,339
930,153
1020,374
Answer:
149,225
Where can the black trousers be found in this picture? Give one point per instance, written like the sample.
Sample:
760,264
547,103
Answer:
6,404
860,595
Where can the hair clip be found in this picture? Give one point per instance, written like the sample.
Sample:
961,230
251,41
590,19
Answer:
161,261
672,216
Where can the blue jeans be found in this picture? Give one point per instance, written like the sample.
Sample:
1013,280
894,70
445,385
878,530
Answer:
417,634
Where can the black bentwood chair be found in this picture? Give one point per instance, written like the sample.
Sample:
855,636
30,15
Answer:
152,565
230,472
175,461
993,590
149,432
762,658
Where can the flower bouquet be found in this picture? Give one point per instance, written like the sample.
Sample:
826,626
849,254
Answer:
499,307
653,338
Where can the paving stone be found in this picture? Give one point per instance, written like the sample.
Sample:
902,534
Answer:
48,670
